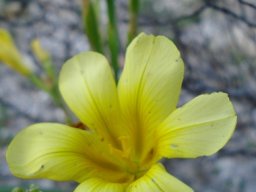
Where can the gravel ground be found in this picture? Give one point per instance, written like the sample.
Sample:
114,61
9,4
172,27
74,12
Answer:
57,24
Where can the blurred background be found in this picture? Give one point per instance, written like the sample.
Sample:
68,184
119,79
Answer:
217,40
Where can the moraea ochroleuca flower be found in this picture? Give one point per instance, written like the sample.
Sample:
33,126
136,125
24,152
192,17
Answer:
10,55
131,127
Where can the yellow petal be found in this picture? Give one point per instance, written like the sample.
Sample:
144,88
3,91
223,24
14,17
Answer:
158,180
59,152
150,85
201,127
98,185
9,54
88,87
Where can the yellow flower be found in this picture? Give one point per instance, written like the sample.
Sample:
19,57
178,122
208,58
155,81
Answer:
131,127
9,54
41,54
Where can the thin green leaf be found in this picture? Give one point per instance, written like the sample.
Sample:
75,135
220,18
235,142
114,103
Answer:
91,25
134,6
113,36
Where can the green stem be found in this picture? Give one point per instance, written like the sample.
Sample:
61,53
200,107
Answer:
57,99
113,37
49,69
54,93
133,24
38,82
